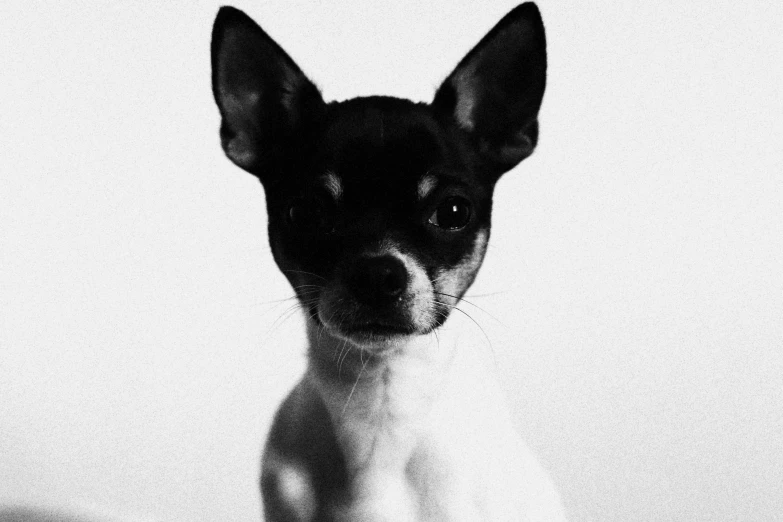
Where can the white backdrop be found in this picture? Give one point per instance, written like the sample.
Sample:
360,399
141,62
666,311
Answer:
632,295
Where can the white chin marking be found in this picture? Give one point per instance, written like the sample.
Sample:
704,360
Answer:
379,344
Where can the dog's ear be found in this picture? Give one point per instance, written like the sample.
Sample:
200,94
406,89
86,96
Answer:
495,92
265,100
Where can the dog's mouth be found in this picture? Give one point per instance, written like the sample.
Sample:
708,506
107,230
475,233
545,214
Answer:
376,301
378,330
377,337
365,331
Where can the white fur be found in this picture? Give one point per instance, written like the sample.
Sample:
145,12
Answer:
426,437
465,87
427,184
333,184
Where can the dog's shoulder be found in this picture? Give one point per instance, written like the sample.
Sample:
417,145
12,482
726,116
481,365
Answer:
301,465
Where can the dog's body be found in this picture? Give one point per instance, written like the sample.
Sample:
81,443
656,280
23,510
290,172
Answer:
420,436
379,215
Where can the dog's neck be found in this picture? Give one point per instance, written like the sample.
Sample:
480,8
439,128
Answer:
379,403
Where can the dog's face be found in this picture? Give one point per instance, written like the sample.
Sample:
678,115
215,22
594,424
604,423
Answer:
379,208
382,228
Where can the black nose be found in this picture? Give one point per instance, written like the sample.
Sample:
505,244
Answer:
378,280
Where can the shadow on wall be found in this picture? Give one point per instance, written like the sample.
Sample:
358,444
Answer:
37,514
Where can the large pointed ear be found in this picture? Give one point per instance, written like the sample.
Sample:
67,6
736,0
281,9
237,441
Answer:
265,100
495,92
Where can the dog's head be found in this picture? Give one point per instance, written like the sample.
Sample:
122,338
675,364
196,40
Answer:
379,207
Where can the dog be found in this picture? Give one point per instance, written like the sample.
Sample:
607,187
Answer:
379,216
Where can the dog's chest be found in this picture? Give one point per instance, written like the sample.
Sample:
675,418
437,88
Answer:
382,417
408,472
405,446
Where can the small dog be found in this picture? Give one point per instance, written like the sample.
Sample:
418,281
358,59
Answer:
379,216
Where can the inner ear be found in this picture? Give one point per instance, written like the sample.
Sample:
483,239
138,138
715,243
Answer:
264,98
495,92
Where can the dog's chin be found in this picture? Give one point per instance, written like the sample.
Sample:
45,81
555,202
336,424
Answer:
376,337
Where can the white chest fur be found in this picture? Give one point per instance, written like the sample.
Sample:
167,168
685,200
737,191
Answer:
426,436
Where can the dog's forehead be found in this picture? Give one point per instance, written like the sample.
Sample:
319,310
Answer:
379,139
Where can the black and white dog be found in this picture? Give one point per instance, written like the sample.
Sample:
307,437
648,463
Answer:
379,216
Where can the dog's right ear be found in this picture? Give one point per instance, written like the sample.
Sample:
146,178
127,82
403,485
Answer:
265,100
495,92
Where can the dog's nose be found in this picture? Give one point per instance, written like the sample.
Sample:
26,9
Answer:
378,280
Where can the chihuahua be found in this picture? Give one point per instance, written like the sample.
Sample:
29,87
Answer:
379,216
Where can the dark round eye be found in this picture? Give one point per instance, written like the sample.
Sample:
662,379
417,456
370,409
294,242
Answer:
308,214
452,214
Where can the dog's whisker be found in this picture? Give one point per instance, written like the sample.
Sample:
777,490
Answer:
305,273
323,327
344,354
484,333
355,384
463,300
437,338
308,289
282,318
490,294
305,294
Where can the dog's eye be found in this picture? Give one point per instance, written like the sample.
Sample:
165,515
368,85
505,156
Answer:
452,214
308,214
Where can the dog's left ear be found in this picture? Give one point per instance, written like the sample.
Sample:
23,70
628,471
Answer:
265,100
495,92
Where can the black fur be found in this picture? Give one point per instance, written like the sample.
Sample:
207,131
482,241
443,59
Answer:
380,146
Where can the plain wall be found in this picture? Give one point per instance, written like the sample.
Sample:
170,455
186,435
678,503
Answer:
632,296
